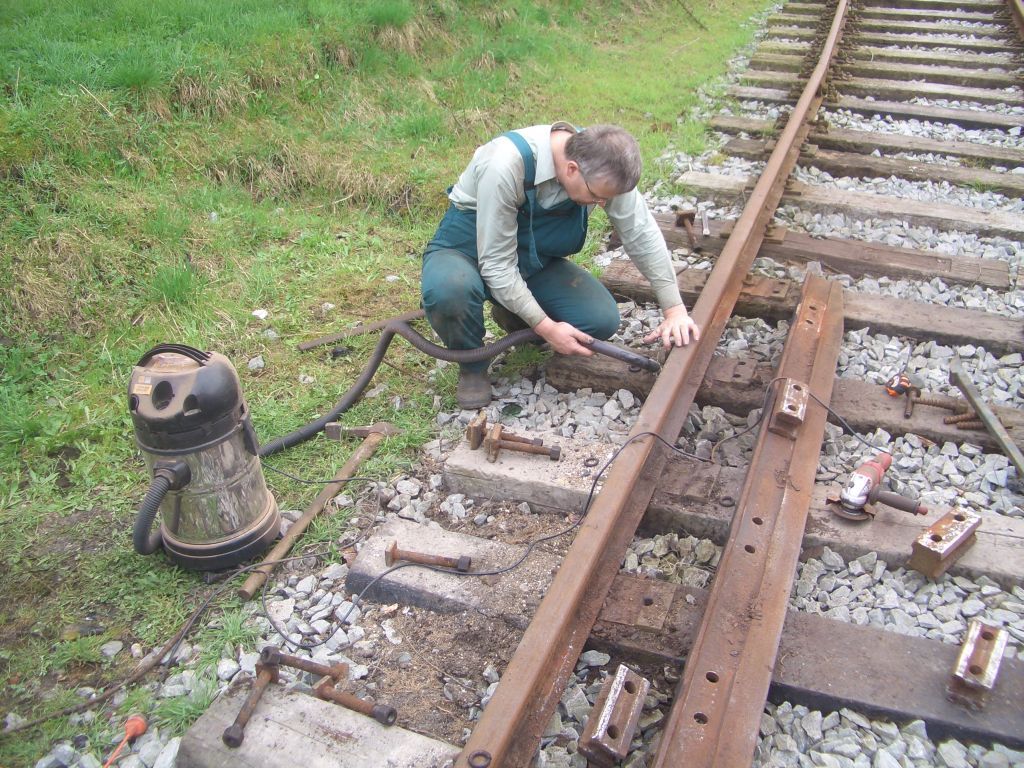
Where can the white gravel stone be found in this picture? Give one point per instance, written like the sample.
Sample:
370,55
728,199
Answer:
227,669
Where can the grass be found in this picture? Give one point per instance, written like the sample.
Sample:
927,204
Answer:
168,167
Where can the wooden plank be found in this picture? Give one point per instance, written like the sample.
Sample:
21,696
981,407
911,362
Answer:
916,14
932,74
965,59
895,89
840,164
779,63
924,41
910,14
890,89
943,216
823,663
922,24
965,118
737,384
961,40
699,498
764,297
945,6
775,62
290,728
853,257
867,142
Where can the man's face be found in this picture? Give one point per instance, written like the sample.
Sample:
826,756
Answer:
586,191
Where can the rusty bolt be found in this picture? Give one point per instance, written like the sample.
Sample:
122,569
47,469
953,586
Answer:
394,553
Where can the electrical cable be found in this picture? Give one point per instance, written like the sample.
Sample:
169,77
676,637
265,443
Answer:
171,645
530,547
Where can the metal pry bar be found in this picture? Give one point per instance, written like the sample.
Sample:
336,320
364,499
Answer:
625,355
986,415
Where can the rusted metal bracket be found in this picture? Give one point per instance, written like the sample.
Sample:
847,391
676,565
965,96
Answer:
613,720
766,287
977,665
732,370
944,542
717,711
644,604
789,408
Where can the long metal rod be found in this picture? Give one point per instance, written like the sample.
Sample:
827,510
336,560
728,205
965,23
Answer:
717,711
256,579
986,415
511,726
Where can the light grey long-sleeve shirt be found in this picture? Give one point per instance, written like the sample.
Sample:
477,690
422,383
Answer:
492,185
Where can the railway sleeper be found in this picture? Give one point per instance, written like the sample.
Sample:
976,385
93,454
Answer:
822,663
857,258
776,299
736,384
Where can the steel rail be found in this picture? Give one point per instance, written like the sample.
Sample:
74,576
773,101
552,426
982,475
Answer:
716,713
1016,8
717,710
510,727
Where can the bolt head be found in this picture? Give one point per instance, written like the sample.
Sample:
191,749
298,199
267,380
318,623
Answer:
384,714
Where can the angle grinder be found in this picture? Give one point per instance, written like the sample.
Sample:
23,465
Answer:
863,490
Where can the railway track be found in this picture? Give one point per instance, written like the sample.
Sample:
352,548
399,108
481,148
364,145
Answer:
865,219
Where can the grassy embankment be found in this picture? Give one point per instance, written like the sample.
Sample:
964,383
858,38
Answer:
167,167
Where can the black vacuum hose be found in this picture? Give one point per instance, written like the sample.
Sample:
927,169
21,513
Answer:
145,540
399,328
403,329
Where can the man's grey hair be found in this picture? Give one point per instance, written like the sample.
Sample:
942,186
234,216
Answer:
606,152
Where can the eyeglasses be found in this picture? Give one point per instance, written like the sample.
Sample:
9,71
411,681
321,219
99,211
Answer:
597,200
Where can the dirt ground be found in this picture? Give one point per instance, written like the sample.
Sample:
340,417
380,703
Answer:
435,675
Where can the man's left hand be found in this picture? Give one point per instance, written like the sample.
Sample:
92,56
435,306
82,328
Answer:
676,329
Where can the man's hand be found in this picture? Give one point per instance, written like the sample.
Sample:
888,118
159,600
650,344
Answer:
563,338
676,329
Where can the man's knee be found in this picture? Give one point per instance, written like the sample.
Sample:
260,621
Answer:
605,323
451,292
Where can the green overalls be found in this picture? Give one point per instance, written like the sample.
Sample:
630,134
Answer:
454,292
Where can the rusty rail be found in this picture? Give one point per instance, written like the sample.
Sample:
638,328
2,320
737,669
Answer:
511,726
717,710
1016,8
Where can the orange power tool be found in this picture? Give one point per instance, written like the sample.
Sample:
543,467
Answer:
864,489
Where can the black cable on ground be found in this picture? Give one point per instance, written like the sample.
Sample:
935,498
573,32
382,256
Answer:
530,547
299,435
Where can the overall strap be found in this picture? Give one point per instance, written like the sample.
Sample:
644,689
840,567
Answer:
528,162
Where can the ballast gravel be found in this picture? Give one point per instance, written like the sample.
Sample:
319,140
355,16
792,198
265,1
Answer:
921,191
927,129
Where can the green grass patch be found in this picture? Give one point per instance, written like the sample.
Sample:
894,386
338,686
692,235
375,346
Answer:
168,167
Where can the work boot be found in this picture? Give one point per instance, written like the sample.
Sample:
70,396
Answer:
507,321
474,390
